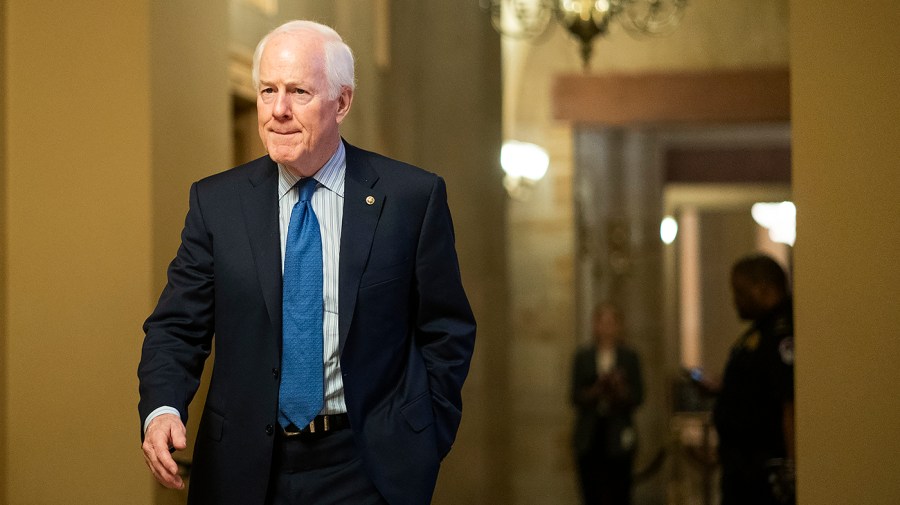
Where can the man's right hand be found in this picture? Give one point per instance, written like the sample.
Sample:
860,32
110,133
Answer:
164,432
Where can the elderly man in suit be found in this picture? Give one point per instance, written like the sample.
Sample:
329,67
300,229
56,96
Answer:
329,277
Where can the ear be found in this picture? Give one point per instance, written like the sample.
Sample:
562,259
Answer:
343,103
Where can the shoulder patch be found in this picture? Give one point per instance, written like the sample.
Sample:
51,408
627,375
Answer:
786,350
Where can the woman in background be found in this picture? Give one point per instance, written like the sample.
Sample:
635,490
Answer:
606,389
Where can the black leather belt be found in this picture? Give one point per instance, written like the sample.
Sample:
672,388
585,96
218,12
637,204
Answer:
320,425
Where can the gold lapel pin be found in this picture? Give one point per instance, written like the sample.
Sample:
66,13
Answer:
370,200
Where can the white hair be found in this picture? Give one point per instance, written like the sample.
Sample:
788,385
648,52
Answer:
338,56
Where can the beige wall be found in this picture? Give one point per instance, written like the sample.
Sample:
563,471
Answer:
106,125
4,408
191,113
78,235
846,125
190,138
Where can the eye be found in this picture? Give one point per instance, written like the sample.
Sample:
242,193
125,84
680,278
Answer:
265,91
300,91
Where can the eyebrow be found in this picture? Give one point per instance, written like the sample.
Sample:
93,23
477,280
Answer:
289,84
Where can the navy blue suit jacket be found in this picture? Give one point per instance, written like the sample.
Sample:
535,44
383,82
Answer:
406,328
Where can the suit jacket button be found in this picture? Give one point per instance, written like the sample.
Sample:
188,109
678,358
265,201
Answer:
269,429
275,373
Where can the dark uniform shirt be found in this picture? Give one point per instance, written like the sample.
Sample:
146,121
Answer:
749,412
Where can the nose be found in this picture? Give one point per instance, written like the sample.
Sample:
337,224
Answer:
282,106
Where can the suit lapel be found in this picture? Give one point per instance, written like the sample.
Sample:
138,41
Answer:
362,209
260,205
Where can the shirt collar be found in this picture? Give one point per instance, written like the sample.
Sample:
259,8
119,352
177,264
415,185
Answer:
331,175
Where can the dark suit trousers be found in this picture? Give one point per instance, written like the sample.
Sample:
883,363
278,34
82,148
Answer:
320,470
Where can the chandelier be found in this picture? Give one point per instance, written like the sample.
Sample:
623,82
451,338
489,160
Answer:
583,19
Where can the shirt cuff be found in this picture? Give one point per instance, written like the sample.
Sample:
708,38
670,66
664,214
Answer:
158,412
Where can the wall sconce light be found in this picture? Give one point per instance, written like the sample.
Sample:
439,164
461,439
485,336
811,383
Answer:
668,230
779,218
524,164
583,19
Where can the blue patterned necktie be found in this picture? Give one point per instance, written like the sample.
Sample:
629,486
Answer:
302,392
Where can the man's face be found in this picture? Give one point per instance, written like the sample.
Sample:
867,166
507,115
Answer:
747,297
298,123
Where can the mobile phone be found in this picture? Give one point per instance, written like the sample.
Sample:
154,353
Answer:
696,374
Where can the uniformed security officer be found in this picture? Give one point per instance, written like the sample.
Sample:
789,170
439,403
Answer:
754,412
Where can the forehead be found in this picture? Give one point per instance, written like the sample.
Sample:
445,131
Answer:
606,314
292,56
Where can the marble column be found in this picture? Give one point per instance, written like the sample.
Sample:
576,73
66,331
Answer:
618,207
